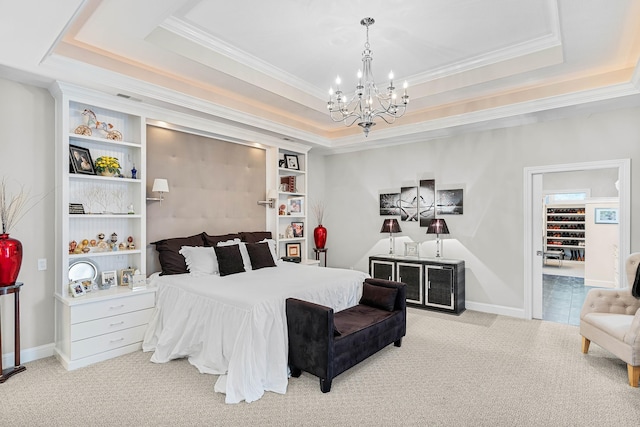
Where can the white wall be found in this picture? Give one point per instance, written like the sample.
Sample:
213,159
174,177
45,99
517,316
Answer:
489,166
27,133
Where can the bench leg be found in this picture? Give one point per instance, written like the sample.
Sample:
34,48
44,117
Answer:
634,375
325,385
295,372
585,345
398,343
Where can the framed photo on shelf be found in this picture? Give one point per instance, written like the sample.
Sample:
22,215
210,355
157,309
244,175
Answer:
295,206
126,276
109,279
293,249
298,229
411,249
606,215
76,288
291,161
80,159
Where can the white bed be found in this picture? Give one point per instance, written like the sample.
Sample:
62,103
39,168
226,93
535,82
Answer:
235,326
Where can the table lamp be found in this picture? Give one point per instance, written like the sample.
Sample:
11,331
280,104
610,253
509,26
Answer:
438,226
390,226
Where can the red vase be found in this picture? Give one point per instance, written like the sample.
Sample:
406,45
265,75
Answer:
320,236
10,260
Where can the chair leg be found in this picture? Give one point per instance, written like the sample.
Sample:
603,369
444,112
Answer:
634,375
585,345
295,372
325,385
398,343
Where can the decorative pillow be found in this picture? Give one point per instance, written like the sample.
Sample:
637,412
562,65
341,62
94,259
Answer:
260,255
229,259
243,251
171,261
272,248
200,260
378,296
214,240
254,236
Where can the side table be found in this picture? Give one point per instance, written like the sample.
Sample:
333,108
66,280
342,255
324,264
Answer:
8,372
321,251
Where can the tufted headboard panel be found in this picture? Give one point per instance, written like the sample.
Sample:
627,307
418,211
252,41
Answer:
213,187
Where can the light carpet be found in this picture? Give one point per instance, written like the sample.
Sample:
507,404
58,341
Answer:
475,369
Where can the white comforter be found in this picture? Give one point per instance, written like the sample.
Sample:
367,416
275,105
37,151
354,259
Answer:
236,325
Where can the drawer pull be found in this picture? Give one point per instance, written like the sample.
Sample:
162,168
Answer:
117,323
114,341
116,307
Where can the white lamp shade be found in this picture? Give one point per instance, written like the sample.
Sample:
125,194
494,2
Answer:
160,185
272,194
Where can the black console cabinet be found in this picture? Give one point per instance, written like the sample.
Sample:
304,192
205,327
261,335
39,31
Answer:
432,283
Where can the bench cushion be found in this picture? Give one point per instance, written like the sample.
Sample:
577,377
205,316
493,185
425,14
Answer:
357,318
378,296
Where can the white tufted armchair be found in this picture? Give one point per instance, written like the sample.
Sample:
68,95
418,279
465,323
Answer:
611,319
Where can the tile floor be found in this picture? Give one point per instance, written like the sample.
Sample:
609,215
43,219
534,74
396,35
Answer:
563,297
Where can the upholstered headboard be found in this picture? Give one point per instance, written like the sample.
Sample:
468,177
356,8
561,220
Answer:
213,187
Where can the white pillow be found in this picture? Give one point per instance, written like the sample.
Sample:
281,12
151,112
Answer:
243,251
200,260
272,248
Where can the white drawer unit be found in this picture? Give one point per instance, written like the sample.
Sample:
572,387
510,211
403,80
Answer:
102,325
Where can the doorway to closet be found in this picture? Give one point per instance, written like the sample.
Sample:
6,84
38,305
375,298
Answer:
566,288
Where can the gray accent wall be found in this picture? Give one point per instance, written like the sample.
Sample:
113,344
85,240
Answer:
489,166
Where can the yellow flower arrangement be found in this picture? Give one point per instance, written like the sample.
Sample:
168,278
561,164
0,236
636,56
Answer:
107,163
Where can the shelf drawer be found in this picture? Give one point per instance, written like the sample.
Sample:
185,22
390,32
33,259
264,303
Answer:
102,343
92,328
111,307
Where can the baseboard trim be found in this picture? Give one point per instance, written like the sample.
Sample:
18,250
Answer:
28,355
495,309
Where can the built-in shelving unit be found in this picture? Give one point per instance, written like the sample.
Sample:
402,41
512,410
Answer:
565,230
291,205
102,323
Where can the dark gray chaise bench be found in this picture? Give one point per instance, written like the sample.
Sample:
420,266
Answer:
326,344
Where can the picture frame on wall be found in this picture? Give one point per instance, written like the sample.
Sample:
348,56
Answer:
291,161
389,204
298,229
409,203
80,159
606,215
293,249
450,202
427,201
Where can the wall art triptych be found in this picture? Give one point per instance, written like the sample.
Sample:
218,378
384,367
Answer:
421,203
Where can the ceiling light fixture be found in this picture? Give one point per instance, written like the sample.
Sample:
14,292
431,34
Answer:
360,108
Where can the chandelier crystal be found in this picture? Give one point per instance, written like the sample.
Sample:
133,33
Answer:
367,103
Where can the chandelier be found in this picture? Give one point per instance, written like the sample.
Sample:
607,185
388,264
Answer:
367,103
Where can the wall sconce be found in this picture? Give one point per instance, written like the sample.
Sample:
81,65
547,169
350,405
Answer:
160,185
438,226
390,226
271,199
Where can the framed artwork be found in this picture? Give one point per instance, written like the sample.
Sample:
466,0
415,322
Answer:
411,249
293,249
291,161
298,229
76,288
80,159
450,202
409,203
295,206
606,215
126,276
390,204
109,279
426,204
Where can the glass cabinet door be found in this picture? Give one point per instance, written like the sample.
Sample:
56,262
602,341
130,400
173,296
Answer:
439,286
411,274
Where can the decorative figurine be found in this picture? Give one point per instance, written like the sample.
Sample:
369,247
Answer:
72,246
130,244
288,233
134,171
130,209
